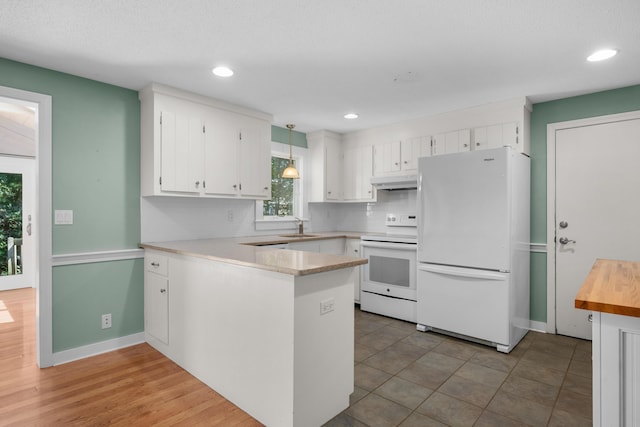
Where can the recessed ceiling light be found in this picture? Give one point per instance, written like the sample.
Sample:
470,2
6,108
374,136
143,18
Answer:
601,55
351,116
222,71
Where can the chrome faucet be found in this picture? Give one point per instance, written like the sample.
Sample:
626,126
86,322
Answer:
300,225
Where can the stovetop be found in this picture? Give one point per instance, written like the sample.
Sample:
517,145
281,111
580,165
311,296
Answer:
402,228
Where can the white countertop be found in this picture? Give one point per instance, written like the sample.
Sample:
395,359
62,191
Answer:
243,251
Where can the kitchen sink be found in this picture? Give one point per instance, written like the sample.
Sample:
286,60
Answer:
298,235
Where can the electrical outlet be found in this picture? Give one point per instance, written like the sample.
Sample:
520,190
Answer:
106,321
327,305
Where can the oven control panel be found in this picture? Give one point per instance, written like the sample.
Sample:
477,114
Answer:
401,220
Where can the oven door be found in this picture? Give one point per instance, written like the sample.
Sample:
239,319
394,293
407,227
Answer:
391,270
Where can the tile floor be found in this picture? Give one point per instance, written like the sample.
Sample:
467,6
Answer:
408,378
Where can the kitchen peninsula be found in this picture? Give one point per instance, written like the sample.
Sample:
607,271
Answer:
269,329
612,292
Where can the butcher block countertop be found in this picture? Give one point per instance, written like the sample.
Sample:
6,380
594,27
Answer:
254,252
611,287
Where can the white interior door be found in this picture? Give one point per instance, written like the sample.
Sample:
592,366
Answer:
597,209
18,254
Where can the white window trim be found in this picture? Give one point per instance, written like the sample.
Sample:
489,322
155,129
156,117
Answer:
286,222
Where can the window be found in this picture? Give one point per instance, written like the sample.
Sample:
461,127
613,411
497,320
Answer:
283,191
287,195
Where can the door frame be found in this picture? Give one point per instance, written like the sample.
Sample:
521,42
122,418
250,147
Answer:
42,209
25,166
552,128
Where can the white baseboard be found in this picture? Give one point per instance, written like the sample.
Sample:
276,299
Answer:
538,326
70,355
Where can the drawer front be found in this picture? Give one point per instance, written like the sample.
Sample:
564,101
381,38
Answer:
157,263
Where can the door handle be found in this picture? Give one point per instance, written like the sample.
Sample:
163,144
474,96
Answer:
564,240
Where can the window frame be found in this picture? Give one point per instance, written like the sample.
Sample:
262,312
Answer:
273,222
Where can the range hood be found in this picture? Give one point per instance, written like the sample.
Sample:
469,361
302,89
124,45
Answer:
396,182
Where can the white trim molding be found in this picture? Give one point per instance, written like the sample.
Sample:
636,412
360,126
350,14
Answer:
92,257
536,326
552,129
83,352
538,247
43,229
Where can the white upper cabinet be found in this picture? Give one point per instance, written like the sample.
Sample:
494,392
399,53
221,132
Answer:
339,172
357,172
181,145
200,147
495,136
221,155
400,157
333,169
237,159
387,158
326,160
255,156
451,142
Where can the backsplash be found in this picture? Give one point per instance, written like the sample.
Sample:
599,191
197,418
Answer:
367,217
173,218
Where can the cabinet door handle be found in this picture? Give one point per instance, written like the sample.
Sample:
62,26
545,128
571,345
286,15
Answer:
197,184
155,264
266,188
356,251
163,290
477,144
235,186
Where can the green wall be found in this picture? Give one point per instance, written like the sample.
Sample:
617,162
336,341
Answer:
82,292
96,173
578,107
279,134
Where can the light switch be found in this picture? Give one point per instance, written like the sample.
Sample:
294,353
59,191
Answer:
63,217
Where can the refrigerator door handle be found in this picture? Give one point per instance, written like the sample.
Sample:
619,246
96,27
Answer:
387,245
463,272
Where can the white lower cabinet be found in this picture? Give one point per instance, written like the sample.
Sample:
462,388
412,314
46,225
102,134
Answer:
257,337
616,370
324,246
156,297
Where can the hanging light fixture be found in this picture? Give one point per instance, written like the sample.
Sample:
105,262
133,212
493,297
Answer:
290,171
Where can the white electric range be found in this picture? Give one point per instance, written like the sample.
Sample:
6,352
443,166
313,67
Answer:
388,280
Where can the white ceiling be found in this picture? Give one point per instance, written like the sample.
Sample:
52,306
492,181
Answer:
309,62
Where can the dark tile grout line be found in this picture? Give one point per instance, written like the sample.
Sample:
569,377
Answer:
528,342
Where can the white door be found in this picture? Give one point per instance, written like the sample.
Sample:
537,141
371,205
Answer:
17,184
597,191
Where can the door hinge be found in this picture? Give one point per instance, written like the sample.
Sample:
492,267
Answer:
240,135
240,186
160,118
203,130
204,184
160,180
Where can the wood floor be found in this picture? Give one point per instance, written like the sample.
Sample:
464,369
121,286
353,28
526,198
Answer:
132,386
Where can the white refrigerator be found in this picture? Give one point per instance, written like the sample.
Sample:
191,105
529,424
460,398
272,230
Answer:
473,245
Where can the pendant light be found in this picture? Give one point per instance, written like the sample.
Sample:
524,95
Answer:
290,171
